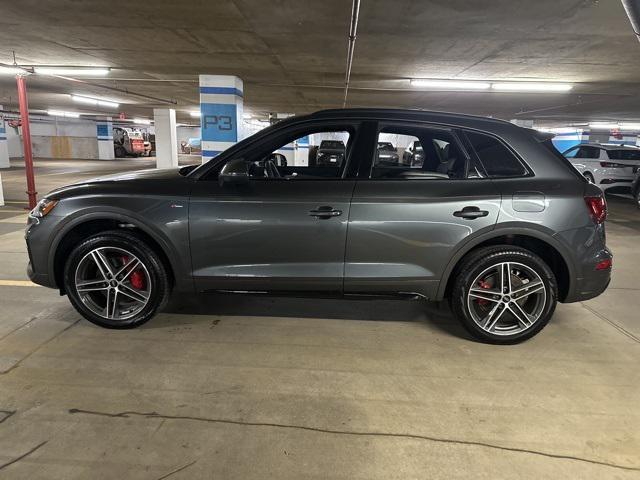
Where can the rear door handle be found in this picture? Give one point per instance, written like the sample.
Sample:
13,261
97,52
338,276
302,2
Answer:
470,213
325,212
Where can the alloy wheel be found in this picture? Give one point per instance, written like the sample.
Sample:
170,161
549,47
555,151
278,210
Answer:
507,298
113,283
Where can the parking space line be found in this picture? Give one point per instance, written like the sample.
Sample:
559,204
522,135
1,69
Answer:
17,283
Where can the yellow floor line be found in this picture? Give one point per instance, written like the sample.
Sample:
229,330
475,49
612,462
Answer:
17,283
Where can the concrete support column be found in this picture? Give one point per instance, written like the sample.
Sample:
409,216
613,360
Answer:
104,130
166,137
4,150
221,106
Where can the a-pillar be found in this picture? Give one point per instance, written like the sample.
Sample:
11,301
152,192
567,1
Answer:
166,137
221,105
104,130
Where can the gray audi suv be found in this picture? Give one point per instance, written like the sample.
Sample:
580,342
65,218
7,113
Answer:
493,219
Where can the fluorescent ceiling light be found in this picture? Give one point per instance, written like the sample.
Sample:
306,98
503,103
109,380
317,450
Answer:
8,70
603,125
75,71
531,87
560,129
629,126
142,121
195,114
94,101
61,113
453,84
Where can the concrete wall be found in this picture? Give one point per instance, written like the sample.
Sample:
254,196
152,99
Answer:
57,137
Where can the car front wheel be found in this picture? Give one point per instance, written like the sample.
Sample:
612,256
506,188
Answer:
115,280
504,294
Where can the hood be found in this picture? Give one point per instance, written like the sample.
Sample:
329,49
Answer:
153,175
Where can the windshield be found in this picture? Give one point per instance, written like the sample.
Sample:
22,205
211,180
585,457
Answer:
624,154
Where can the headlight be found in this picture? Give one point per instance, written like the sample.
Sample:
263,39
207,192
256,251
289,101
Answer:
43,208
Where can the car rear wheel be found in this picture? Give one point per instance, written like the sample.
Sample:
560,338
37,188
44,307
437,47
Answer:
637,197
504,294
115,280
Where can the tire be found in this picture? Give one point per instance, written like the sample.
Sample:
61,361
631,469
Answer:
589,177
141,290
120,152
637,198
474,309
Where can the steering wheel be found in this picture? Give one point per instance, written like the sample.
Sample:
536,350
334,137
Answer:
271,169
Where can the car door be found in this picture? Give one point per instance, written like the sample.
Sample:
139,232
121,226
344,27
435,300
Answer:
275,234
406,223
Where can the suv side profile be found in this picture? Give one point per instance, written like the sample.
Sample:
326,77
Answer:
493,219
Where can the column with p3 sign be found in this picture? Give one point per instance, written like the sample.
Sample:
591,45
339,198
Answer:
221,105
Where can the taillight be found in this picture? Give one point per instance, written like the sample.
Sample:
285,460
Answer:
604,264
612,165
597,208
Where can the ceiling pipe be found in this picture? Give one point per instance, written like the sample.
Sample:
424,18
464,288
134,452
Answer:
355,13
632,7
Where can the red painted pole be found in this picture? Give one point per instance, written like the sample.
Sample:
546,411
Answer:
26,140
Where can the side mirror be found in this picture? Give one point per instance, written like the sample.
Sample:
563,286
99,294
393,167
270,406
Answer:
235,172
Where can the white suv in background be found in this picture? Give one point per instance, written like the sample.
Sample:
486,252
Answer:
606,165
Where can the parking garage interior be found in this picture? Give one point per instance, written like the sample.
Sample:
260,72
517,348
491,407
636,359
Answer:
220,385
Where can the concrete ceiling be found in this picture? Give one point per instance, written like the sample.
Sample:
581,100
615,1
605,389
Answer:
291,54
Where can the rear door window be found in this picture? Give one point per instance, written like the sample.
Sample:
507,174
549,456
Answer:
413,152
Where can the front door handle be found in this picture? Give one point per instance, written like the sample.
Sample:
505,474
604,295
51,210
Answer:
470,213
325,212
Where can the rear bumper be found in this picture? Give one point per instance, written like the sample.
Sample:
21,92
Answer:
591,287
592,282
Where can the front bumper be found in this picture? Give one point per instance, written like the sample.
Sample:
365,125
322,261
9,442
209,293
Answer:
37,268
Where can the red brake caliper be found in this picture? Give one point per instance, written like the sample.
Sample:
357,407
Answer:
486,286
136,278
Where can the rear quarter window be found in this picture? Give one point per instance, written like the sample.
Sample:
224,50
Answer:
497,159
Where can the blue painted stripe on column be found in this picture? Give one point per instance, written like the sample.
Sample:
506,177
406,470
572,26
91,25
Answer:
222,91
210,153
286,148
2,130
2,138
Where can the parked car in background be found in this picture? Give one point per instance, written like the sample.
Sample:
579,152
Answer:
606,165
128,142
387,154
504,232
330,152
191,145
413,155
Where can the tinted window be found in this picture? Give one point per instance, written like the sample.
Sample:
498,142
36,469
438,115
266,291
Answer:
624,154
497,159
418,153
588,152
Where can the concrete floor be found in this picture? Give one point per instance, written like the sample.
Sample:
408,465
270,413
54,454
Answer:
253,388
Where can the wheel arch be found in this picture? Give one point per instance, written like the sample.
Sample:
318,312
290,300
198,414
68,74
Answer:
544,245
84,226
